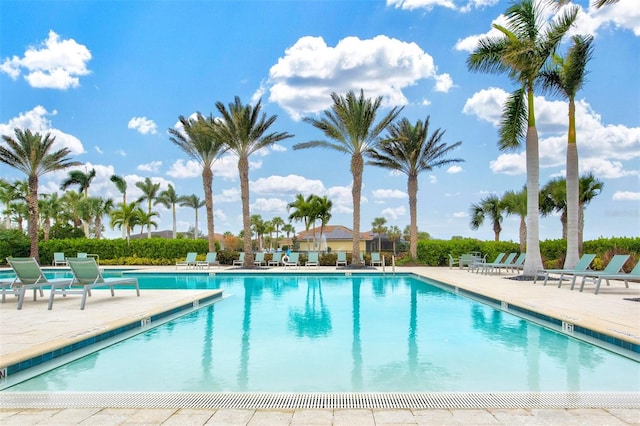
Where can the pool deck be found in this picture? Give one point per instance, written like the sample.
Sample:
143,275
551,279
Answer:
34,330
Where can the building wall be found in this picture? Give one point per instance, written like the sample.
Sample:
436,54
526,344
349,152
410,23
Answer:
334,245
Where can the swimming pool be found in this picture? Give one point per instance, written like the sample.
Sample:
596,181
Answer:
335,333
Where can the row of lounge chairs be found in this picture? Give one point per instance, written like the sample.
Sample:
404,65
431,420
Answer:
85,276
613,271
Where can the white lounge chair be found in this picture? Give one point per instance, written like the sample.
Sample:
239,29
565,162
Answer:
240,260
292,260
30,276
189,262
342,259
620,276
613,267
59,259
581,266
258,259
87,275
276,260
376,260
209,260
312,260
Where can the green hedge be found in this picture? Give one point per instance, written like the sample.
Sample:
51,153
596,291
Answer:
436,252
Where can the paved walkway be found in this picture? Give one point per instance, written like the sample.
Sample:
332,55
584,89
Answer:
34,328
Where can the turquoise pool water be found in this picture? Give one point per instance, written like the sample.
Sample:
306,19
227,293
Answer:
312,333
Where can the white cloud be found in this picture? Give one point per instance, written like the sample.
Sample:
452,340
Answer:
269,205
143,125
291,184
443,83
230,195
626,196
603,148
388,193
301,82
393,213
98,150
464,6
153,166
54,64
433,179
460,215
342,199
36,120
454,169
185,169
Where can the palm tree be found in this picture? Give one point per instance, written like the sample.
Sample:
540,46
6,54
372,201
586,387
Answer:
195,203
394,233
71,201
50,207
277,223
322,208
288,229
31,154
554,198
19,210
491,207
377,227
146,219
567,76
100,207
522,50
149,194
169,198
516,203
350,126
121,184
126,216
243,129
197,139
258,227
8,193
410,149
83,180
302,212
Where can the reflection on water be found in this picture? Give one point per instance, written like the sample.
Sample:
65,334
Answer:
307,333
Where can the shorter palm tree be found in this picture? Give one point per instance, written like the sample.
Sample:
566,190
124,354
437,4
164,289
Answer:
516,203
377,226
126,216
149,193
491,207
195,203
169,198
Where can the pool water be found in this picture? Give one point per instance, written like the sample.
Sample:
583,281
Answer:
335,333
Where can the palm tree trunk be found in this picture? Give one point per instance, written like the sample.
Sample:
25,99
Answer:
46,228
412,190
32,205
533,261
357,165
149,225
523,235
243,169
572,180
175,231
207,180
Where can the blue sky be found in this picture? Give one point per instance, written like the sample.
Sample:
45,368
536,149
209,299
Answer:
108,78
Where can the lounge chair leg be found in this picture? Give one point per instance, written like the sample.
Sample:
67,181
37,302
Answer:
21,298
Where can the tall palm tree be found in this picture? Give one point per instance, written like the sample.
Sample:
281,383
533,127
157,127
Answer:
243,130
126,216
197,139
302,212
195,203
516,203
377,227
121,184
149,194
322,207
521,51
31,153
567,76
169,198
350,125
411,150
490,207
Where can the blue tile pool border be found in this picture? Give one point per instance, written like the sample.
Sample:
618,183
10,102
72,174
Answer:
48,356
